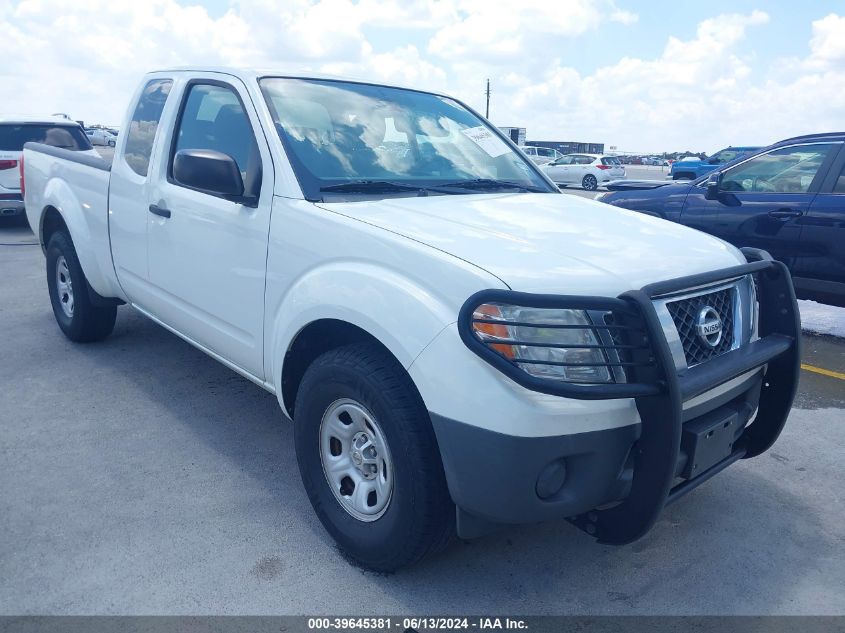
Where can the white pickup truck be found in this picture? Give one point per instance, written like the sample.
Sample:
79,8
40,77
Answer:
459,345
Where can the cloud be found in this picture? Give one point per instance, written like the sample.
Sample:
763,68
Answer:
697,93
624,17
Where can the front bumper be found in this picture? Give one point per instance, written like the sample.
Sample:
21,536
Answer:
497,478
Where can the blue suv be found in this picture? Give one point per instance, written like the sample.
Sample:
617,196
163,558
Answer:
692,169
788,199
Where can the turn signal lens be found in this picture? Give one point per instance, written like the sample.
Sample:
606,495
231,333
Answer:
493,331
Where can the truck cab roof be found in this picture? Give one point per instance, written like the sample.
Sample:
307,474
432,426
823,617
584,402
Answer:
254,74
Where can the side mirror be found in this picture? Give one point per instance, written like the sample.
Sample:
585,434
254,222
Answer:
713,184
209,171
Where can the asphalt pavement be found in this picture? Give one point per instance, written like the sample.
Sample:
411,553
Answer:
140,476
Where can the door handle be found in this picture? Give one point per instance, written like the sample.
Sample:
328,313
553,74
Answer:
160,211
785,214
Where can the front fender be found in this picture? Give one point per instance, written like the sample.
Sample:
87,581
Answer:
396,310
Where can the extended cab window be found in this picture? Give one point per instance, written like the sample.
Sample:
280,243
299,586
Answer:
213,118
144,123
785,170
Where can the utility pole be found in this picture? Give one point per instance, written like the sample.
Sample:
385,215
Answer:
487,114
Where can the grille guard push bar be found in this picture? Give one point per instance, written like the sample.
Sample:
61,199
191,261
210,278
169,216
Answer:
660,390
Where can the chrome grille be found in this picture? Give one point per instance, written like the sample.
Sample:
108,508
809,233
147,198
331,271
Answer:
685,313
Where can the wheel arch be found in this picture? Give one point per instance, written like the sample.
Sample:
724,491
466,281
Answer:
51,222
313,340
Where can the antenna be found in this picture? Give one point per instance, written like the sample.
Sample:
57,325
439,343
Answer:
487,92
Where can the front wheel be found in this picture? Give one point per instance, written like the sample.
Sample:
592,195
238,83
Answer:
590,183
77,316
369,458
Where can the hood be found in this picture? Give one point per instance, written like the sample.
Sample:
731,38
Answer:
549,243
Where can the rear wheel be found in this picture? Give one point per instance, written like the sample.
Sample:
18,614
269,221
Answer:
369,458
77,316
590,183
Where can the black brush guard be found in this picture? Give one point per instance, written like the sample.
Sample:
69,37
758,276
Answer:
659,389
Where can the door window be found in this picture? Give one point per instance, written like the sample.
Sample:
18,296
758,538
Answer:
213,118
785,170
144,123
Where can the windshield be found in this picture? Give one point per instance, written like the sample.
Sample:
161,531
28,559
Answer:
360,139
13,137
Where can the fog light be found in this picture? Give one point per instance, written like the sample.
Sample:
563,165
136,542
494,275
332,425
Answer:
551,479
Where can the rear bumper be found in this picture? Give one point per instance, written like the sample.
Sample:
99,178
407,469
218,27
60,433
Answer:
11,205
505,479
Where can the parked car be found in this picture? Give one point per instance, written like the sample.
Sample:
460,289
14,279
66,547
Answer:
692,167
541,155
459,345
788,199
101,136
14,132
586,170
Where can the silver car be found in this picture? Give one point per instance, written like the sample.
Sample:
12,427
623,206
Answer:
587,170
541,155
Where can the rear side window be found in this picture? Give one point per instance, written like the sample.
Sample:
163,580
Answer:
609,160
144,123
13,136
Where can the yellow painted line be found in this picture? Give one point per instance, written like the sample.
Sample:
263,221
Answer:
823,372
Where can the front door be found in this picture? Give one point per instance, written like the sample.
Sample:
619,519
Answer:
207,260
762,202
558,171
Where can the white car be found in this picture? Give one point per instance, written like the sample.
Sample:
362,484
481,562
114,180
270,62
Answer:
586,170
14,132
460,346
100,136
541,155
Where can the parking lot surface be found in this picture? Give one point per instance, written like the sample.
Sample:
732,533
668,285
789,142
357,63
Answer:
141,476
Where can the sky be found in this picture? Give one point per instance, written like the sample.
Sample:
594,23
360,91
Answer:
639,76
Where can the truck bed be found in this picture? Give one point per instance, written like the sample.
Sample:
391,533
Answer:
77,183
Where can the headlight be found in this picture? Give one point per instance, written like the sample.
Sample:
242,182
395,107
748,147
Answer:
601,196
554,344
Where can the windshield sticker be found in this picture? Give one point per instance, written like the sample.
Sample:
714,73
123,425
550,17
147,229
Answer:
486,140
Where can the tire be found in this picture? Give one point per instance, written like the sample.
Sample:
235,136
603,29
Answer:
77,316
683,176
111,143
590,182
418,516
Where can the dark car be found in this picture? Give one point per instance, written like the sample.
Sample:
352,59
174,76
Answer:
788,199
